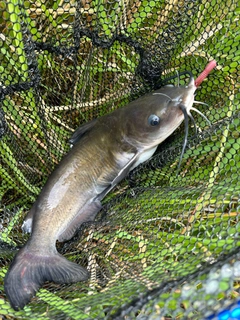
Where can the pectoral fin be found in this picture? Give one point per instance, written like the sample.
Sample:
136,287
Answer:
133,162
87,213
120,176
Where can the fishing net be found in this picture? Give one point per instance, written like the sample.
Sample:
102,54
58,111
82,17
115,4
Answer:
166,243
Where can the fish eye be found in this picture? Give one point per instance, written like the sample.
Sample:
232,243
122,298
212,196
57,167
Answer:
153,120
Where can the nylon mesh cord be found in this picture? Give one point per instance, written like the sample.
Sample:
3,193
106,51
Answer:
165,245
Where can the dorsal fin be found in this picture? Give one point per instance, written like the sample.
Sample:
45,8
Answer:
81,131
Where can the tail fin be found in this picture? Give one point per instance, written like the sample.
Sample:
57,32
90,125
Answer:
29,270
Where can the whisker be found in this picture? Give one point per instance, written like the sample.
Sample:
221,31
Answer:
186,122
200,102
178,77
162,95
182,107
193,121
199,112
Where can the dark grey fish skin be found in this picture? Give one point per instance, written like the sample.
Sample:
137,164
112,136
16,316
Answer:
103,152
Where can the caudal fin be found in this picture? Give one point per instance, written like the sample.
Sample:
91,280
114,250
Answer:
29,270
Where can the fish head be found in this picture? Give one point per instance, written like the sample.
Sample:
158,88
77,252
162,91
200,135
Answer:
154,117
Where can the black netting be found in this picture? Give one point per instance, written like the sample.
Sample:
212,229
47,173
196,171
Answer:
165,244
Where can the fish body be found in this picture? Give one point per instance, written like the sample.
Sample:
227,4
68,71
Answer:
103,153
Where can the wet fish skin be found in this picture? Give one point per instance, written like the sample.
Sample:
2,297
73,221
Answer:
103,153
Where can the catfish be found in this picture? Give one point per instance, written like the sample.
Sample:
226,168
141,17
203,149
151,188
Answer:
103,152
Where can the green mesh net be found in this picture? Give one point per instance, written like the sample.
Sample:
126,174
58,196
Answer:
165,244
